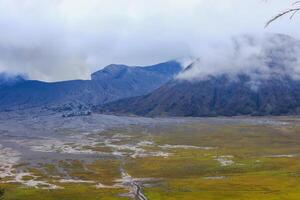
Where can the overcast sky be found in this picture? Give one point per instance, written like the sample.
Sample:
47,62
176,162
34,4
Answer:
55,40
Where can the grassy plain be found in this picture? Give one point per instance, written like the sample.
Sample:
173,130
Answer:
233,161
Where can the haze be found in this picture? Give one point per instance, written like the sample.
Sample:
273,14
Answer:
55,40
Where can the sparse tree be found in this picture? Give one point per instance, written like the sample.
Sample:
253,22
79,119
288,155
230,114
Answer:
291,12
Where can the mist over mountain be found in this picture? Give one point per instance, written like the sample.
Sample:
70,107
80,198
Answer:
55,40
10,79
111,83
260,57
250,76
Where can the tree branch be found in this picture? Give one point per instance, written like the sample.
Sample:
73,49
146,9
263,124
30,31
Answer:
293,11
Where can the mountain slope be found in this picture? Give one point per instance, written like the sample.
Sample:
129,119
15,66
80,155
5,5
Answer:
214,97
255,78
111,83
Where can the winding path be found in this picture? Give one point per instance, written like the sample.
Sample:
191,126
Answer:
138,191
135,188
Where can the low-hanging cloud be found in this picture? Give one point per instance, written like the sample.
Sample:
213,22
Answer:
260,58
66,39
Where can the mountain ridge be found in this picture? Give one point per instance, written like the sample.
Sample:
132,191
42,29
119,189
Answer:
256,77
214,97
103,87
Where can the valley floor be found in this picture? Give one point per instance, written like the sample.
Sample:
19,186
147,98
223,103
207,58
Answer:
107,157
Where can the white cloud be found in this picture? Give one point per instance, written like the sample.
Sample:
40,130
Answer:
258,57
64,39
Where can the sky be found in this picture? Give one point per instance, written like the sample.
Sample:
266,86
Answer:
55,40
